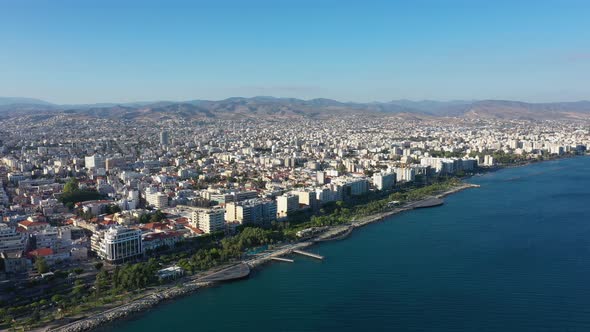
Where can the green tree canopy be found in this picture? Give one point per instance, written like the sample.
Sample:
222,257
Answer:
41,265
71,186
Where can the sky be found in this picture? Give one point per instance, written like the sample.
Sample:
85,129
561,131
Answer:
121,51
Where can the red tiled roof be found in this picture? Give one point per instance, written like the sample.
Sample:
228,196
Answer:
154,225
163,235
195,229
28,223
41,252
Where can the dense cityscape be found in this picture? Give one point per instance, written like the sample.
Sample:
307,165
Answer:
294,166
93,208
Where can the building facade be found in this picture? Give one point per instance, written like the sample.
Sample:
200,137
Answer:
384,181
253,211
286,204
10,240
157,200
208,220
117,244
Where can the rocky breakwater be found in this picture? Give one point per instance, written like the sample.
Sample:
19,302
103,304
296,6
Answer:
148,301
134,307
461,187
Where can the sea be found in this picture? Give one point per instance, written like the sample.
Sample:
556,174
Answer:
512,255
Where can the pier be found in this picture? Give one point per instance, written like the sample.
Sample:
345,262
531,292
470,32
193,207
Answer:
339,232
426,203
281,259
305,253
237,271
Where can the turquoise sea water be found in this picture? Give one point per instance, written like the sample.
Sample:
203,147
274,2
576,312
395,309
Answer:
513,255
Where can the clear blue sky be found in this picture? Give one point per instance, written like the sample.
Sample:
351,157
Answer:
97,51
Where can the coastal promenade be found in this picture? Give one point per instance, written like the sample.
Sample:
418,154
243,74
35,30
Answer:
238,270
154,297
432,201
136,306
460,246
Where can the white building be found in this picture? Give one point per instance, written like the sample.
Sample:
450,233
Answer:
556,149
158,200
353,186
117,244
208,220
488,160
253,211
330,193
405,174
286,204
10,240
94,161
306,197
383,181
321,177
47,238
132,200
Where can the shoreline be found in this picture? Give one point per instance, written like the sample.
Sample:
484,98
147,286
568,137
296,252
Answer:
180,289
528,163
187,286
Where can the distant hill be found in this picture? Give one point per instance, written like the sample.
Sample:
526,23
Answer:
17,104
503,109
19,100
434,107
271,107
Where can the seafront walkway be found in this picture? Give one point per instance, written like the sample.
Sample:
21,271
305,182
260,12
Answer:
239,270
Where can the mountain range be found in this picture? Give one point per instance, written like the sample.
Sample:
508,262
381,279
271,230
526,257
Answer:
263,106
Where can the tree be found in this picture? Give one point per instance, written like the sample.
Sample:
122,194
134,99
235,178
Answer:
102,282
144,218
41,265
57,298
79,288
35,316
71,186
98,266
157,216
80,196
113,208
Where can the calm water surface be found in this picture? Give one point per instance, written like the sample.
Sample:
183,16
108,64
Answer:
513,255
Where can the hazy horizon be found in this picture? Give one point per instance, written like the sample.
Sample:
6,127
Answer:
303,99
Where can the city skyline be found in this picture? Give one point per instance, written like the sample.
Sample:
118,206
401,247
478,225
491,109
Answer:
69,52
